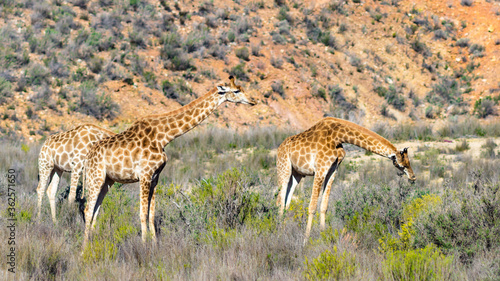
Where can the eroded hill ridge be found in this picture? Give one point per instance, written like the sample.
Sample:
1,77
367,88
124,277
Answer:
110,61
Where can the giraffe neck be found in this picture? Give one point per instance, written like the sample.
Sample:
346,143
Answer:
364,138
178,122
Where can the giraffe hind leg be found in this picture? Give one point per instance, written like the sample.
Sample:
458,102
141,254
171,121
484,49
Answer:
284,167
327,186
75,176
52,191
292,184
104,190
45,177
151,201
317,184
95,187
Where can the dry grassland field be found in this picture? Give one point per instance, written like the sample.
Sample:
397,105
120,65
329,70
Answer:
216,216
421,73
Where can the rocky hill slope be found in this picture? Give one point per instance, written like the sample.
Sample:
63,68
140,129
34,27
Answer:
110,61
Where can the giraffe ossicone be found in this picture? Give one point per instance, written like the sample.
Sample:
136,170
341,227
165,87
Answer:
65,152
318,152
136,154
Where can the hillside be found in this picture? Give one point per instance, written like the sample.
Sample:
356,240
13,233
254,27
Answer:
110,61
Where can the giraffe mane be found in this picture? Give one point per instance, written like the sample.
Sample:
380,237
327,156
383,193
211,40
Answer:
183,108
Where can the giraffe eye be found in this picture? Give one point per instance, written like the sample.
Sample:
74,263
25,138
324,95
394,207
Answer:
237,91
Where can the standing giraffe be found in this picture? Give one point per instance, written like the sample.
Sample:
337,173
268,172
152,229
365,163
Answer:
318,152
65,152
136,154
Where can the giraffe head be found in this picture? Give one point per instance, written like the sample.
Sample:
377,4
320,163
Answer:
402,162
235,93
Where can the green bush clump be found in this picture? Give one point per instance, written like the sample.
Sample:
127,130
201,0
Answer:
5,90
411,212
467,223
419,264
330,265
242,53
101,106
113,226
178,90
462,146
239,72
227,198
446,91
484,107
489,149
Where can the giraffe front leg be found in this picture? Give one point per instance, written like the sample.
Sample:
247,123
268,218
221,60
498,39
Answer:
284,167
329,178
145,183
98,187
89,212
151,196
318,182
325,198
45,173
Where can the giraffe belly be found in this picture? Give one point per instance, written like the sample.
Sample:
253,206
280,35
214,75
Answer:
303,164
125,175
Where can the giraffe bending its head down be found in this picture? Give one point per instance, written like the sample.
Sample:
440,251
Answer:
318,152
65,152
136,154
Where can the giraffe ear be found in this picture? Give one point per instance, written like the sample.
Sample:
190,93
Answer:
392,157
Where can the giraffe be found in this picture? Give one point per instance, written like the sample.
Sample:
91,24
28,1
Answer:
136,154
65,152
318,152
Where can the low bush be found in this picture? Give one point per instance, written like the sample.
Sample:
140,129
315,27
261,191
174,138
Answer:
5,90
466,223
484,107
330,265
419,264
101,106
115,224
239,72
277,87
489,149
446,91
242,53
177,90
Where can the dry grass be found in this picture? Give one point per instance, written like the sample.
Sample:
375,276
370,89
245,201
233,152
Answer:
214,223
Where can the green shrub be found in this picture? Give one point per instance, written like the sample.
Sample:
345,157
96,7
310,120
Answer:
178,91
411,211
484,107
101,106
489,149
476,50
446,91
239,72
277,87
227,198
462,146
115,224
38,75
466,223
5,90
242,53
419,264
330,265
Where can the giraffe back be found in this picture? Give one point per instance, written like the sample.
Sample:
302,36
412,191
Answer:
67,149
